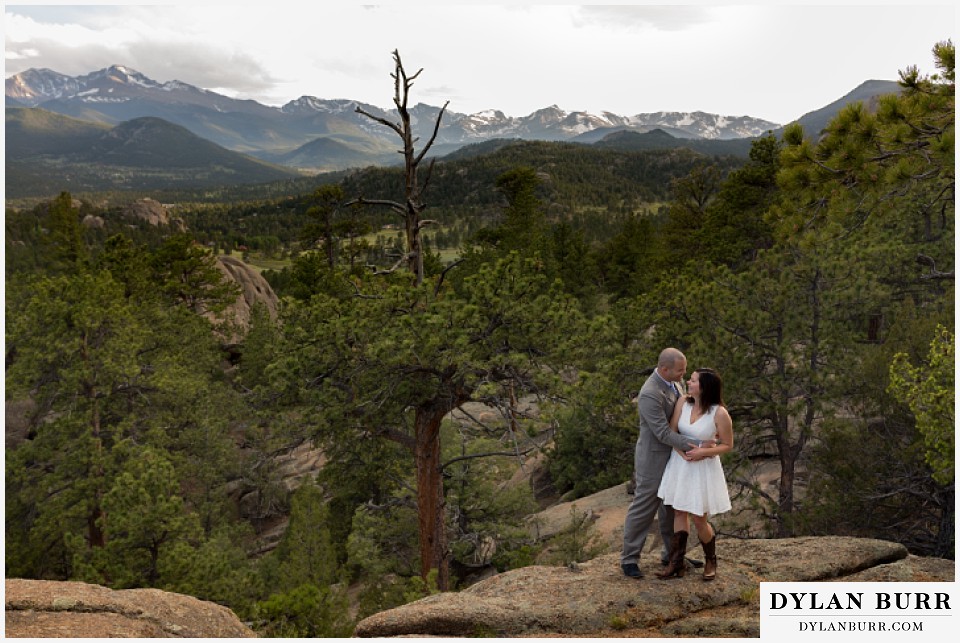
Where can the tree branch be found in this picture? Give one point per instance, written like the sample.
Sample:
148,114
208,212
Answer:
429,174
443,274
934,274
395,127
425,222
478,422
394,267
397,207
396,436
359,294
487,455
436,128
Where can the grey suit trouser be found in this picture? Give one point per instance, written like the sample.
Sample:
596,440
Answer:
645,505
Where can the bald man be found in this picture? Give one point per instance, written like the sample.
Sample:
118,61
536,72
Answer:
655,403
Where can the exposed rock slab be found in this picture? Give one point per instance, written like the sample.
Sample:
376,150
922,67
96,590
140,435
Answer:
153,212
607,510
594,598
253,289
912,569
45,609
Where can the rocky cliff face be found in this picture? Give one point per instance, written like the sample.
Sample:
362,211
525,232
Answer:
41,609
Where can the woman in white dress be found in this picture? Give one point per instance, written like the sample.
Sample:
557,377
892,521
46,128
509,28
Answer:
695,486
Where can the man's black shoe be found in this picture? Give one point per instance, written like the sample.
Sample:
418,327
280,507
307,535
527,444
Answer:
632,570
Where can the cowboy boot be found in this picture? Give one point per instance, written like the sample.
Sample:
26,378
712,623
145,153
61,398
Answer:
710,554
678,547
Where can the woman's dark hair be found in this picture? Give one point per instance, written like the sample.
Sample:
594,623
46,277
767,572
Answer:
711,388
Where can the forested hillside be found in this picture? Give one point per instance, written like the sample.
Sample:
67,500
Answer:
43,148
817,276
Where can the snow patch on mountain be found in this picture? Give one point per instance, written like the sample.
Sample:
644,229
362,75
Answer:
312,104
105,99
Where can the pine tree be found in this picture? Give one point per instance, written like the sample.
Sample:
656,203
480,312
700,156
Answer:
65,234
929,392
306,554
393,365
145,517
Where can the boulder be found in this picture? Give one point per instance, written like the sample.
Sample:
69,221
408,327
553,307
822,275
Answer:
153,212
42,609
253,288
93,221
17,414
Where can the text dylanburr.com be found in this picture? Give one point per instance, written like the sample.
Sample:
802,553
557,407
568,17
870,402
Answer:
843,611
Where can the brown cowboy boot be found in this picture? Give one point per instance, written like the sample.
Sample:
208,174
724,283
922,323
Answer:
710,554
678,547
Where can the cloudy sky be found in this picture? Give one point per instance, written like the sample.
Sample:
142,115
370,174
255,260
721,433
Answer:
775,62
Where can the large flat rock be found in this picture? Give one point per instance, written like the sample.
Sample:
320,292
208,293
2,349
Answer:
47,609
594,598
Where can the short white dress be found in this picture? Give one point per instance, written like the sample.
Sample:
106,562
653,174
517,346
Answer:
696,487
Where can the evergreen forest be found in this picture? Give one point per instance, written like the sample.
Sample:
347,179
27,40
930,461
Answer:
816,275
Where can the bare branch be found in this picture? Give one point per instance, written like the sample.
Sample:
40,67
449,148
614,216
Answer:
443,274
396,207
475,420
394,267
361,295
401,73
425,222
934,274
487,455
394,126
436,128
429,173
272,455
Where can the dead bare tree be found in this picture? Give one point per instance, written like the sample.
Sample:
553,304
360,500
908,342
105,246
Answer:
413,204
428,415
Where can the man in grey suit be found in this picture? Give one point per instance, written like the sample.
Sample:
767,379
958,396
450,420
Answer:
655,404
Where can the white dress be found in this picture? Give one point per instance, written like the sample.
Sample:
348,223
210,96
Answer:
696,487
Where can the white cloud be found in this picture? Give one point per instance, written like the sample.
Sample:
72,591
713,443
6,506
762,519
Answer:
769,61
653,17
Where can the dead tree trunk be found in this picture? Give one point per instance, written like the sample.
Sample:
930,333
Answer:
413,205
430,414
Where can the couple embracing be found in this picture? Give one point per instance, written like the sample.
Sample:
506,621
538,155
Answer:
678,474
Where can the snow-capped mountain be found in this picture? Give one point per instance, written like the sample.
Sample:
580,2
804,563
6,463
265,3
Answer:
113,84
117,85
35,86
119,93
709,126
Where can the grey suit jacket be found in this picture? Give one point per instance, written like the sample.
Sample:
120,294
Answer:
655,406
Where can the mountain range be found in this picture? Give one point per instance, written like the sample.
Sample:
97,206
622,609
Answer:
117,93
319,135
